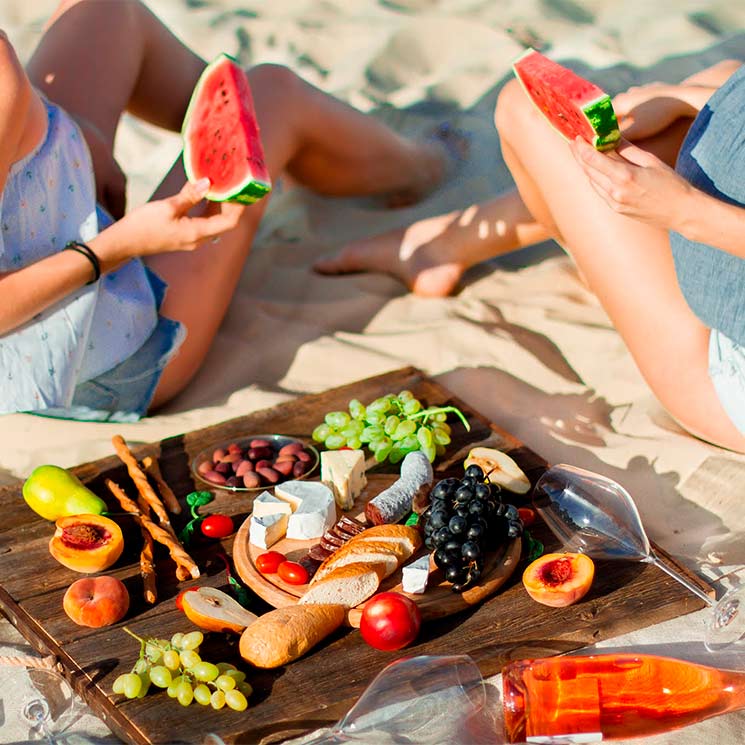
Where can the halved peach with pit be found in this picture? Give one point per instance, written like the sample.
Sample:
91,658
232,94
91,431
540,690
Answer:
559,580
86,543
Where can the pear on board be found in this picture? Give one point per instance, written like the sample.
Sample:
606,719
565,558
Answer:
54,492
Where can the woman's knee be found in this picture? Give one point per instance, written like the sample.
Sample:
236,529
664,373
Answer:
512,105
274,78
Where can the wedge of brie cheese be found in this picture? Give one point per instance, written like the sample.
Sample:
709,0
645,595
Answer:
343,471
267,530
315,512
416,575
267,504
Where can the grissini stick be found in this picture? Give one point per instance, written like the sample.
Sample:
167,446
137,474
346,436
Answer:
183,561
140,479
169,498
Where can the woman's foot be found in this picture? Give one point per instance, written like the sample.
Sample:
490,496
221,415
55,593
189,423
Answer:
416,256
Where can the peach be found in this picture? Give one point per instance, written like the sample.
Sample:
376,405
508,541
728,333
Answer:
559,580
86,543
96,601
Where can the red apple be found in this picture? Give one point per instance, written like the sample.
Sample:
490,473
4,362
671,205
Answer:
390,621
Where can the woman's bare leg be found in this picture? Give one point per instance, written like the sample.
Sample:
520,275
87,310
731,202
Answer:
627,264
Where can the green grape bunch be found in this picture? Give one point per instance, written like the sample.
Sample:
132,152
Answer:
390,426
176,665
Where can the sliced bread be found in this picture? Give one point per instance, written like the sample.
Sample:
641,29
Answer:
387,552
347,585
407,537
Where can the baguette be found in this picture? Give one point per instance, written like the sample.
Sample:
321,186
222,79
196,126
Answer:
284,634
347,585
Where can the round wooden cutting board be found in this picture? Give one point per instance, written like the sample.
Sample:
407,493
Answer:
439,600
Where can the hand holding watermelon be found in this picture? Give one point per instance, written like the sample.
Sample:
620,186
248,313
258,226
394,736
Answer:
635,183
165,225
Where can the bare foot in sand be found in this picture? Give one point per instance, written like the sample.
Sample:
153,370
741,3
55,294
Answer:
431,255
416,256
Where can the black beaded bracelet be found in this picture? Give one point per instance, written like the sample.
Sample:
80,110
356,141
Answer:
88,252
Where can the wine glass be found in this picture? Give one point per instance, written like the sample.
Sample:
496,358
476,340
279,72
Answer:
428,700
51,709
595,515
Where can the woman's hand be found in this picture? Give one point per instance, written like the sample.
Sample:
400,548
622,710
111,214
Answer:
165,225
646,110
637,184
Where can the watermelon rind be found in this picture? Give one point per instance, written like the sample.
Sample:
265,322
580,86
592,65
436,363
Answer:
598,112
251,189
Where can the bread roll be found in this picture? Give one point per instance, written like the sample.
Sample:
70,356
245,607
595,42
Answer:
284,634
347,585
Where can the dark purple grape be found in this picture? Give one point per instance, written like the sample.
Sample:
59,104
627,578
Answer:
453,547
500,510
456,575
441,536
481,491
476,532
458,525
471,550
438,518
477,507
462,512
511,512
464,494
444,559
468,482
475,472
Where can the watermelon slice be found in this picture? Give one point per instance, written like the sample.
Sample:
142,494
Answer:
572,105
221,136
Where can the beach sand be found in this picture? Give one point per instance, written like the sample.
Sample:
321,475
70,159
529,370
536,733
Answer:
523,341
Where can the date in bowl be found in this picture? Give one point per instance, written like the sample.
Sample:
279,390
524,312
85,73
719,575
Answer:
254,462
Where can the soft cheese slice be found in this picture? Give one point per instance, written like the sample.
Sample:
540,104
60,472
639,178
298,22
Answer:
343,471
316,511
416,575
267,530
267,504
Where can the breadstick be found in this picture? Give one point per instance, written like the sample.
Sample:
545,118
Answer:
147,569
183,561
143,485
169,498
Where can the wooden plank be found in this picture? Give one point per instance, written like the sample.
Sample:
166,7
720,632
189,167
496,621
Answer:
319,688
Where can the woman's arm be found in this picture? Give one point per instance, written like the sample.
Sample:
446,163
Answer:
156,227
635,183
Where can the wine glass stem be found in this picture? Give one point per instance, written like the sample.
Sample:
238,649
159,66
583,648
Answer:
695,589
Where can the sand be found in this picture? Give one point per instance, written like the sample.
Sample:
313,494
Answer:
523,341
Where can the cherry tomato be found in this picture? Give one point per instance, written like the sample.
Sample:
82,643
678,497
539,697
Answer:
293,573
527,515
217,526
390,621
267,563
180,597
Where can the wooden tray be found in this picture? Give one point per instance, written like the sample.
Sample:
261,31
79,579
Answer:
437,602
319,688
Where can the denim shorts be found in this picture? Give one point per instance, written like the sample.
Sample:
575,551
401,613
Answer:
727,372
124,393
